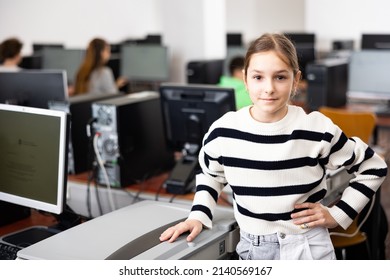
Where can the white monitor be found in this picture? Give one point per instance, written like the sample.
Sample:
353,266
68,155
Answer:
33,148
368,72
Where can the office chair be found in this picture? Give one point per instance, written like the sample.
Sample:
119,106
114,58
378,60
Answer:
362,125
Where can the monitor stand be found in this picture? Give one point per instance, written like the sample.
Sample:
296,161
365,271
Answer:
182,178
34,234
29,236
14,213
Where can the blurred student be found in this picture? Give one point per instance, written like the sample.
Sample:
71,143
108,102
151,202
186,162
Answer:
94,76
236,81
10,55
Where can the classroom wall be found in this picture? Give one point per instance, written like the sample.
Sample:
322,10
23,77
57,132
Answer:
74,22
345,19
255,17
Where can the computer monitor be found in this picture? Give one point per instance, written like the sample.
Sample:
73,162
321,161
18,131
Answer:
37,47
33,147
188,112
375,41
204,71
33,168
234,39
368,78
33,88
301,38
63,59
306,55
232,52
305,47
145,63
153,39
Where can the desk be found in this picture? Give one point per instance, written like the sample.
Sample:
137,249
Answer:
150,189
35,219
77,186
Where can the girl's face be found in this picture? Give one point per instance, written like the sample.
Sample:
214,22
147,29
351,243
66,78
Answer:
270,82
106,53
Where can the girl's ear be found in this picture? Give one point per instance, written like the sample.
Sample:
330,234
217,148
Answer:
297,79
244,79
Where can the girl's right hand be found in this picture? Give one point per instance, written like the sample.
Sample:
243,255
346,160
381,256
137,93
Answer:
172,233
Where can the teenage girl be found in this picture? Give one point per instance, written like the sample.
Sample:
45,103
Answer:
274,156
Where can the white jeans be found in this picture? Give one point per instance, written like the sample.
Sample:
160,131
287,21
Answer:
312,245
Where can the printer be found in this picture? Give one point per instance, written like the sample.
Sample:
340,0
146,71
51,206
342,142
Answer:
132,232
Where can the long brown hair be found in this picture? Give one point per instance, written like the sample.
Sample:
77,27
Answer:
93,60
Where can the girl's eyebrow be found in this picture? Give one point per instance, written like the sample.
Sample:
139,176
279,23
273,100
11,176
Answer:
276,72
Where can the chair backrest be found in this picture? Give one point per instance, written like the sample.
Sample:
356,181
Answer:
362,125
353,123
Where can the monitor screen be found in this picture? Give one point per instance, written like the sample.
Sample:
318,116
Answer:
33,88
368,75
375,41
33,147
204,71
232,52
306,55
234,39
63,59
189,110
301,38
305,46
37,47
147,63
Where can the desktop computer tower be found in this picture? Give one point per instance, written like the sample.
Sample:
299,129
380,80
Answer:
327,83
130,139
80,146
204,71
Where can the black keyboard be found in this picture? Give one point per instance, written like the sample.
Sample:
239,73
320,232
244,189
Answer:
8,252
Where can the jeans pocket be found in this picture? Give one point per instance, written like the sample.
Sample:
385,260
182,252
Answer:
244,248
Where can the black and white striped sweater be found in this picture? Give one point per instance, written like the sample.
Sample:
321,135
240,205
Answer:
272,166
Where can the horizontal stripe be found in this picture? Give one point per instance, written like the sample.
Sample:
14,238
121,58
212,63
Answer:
317,196
268,165
347,209
381,172
275,191
267,139
271,217
363,189
213,193
203,209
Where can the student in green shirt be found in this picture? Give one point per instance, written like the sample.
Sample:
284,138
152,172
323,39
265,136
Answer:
235,80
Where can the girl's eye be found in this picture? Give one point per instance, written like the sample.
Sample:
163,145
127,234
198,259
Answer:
257,77
280,77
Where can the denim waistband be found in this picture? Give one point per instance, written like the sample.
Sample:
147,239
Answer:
278,237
